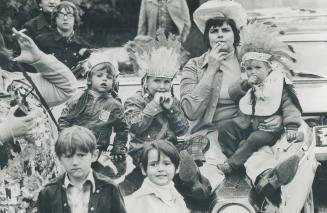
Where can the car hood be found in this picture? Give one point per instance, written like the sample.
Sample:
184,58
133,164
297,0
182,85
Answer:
291,19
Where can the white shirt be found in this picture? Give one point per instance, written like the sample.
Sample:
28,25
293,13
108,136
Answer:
153,198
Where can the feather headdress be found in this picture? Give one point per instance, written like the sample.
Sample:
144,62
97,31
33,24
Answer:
260,42
97,58
159,57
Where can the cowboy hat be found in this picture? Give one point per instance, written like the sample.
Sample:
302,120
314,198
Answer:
219,8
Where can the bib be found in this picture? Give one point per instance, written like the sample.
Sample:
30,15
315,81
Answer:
268,96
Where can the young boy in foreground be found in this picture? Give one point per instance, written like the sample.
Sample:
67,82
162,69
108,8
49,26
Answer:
79,190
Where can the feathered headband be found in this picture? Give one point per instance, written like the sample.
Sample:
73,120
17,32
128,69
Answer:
159,57
260,42
97,58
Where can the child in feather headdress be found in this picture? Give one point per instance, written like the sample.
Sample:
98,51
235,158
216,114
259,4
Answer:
267,91
154,113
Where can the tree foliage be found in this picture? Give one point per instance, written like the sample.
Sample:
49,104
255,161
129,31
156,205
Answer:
104,22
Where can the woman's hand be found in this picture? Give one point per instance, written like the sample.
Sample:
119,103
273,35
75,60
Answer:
272,123
30,53
216,57
17,126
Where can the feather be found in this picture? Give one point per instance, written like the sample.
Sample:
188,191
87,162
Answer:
291,48
263,38
292,93
160,57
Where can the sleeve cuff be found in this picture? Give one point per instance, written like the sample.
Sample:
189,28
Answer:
292,127
174,107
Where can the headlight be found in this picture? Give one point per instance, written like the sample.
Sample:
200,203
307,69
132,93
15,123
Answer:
234,208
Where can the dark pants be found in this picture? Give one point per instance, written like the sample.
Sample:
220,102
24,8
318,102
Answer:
239,144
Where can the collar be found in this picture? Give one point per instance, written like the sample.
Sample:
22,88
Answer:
41,21
149,188
206,57
89,177
70,38
98,96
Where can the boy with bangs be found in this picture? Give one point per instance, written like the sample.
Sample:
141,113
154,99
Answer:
98,109
159,163
79,190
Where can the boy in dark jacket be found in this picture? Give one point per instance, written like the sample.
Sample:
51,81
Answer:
79,190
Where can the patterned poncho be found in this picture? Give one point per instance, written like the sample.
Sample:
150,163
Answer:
31,158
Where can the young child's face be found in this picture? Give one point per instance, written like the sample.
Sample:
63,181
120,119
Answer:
159,172
158,84
257,71
78,165
101,81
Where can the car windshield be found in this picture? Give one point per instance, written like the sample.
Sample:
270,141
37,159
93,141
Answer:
259,4
301,23
313,63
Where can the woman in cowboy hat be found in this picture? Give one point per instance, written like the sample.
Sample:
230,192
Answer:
205,97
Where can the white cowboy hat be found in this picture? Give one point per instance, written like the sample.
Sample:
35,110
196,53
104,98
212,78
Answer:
219,8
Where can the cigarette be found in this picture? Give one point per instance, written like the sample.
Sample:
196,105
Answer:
20,31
